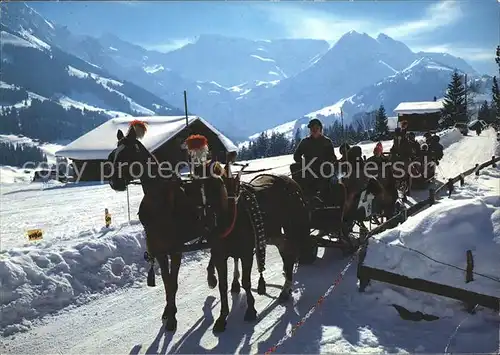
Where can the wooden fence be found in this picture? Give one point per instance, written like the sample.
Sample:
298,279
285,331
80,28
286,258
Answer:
366,273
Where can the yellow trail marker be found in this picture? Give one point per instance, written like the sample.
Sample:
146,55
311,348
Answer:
35,234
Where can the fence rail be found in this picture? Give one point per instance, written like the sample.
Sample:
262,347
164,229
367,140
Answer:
460,177
366,273
412,210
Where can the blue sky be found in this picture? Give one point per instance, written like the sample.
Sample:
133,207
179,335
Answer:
468,29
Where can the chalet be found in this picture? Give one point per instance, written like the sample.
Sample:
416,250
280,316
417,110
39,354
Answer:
420,116
164,138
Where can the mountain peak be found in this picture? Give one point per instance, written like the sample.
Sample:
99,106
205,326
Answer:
354,34
384,37
355,41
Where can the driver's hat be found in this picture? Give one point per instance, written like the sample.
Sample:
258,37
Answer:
315,122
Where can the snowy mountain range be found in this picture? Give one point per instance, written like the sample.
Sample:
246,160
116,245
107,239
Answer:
243,86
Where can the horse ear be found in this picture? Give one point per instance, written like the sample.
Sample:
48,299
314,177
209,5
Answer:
119,134
131,133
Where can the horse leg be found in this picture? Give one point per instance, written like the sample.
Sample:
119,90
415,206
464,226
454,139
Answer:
288,262
221,265
246,268
211,278
164,268
235,286
175,263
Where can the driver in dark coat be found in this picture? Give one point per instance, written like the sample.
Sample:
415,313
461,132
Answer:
312,152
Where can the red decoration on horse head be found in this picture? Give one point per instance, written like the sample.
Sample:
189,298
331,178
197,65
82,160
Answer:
140,127
196,142
378,148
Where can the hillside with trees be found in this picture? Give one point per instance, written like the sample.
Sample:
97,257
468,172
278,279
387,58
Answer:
277,144
19,154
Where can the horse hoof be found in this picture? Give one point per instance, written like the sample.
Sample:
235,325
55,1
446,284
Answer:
171,325
212,281
250,315
220,326
235,287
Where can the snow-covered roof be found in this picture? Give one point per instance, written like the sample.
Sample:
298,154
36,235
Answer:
98,143
408,108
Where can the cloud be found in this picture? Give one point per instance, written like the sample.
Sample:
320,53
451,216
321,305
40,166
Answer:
298,22
477,54
438,15
170,45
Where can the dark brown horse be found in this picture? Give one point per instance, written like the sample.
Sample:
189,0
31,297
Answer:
170,215
280,202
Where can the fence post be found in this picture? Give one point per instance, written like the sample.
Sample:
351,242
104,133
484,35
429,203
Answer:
470,267
476,168
462,180
128,205
493,164
432,196
449,185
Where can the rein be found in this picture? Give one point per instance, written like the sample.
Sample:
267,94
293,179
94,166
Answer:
230,228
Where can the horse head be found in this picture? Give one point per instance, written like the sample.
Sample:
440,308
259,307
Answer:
128,160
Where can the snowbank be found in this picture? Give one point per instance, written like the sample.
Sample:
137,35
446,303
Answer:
445,232
12,175
35,282
38,282
449,136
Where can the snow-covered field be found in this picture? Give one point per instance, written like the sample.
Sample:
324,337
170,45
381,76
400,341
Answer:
82,288
13,175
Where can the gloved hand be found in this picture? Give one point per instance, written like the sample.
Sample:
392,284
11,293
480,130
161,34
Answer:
148,257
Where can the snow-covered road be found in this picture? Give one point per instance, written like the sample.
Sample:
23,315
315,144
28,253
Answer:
128,321
465,153
100,275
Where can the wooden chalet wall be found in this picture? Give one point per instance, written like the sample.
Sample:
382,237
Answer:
421,122
171,150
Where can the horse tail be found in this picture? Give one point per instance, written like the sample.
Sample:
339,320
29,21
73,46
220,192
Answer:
257,221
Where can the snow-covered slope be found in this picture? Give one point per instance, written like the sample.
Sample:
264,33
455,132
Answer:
234,61
36,70
96,276
358,73
422,80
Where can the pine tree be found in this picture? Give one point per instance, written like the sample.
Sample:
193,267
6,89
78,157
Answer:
454,109
381,127
296,139
495,94
497,58
484,112
495,101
